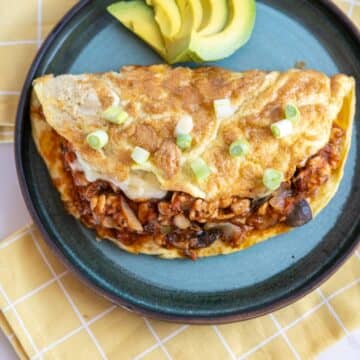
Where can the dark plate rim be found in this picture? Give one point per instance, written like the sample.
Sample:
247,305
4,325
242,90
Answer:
220,319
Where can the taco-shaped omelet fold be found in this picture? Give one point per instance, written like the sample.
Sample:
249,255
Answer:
193,162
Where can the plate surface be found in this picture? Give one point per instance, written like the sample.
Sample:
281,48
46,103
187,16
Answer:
224,288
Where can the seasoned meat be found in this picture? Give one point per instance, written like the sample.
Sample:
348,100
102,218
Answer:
186,223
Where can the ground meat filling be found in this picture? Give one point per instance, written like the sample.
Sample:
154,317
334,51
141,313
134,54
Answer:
183,222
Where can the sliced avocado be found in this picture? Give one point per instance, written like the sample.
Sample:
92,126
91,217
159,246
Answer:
139,18
235,34
179,46
237,31
215,16
198,14
167,16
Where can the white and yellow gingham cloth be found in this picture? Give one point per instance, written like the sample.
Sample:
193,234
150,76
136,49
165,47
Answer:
48,314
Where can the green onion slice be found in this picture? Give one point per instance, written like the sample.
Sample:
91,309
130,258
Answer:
272,179
185,125
183,141
115,114
223,108
200,169
282,128
140,155
292,113
239,148
97,139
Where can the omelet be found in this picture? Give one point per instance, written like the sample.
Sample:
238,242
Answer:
208,196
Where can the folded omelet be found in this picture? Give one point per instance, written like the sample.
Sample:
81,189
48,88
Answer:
193,162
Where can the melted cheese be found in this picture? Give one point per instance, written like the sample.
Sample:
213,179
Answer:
140,185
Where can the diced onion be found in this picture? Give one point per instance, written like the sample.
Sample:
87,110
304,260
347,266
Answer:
115,114
228,230
282,128
140,155
183,141
272,179
184,126
200,169
181,222
292,113
130,216
223,108
97,139
239,148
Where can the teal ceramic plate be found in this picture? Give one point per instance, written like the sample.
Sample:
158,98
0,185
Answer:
223,288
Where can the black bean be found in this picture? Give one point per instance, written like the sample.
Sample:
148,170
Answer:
300,215
255,204
205,238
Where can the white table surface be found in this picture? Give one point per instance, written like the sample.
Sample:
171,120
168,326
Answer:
14,215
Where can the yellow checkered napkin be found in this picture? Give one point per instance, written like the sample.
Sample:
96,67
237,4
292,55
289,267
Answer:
48,313
23,26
